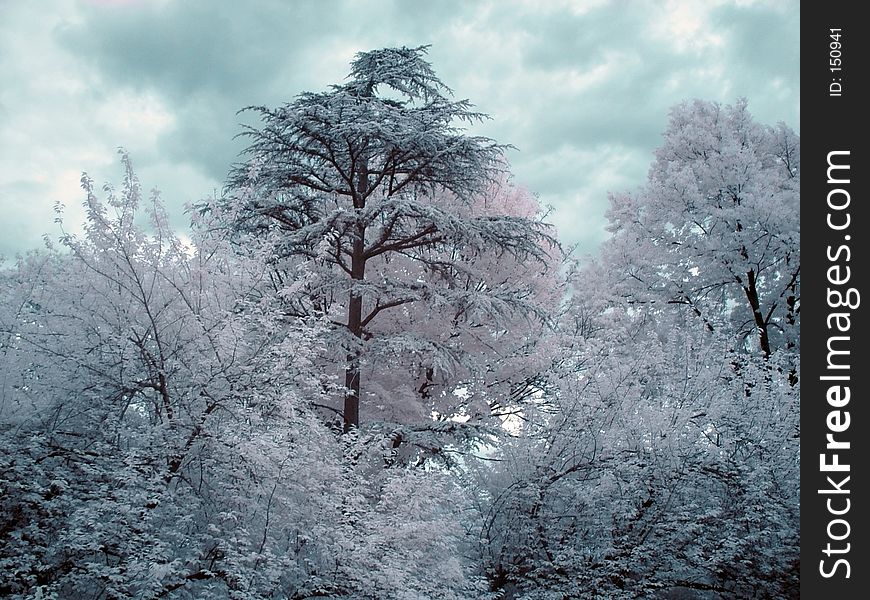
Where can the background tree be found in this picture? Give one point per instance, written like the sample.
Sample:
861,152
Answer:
155,417
716,228
355,175
648,471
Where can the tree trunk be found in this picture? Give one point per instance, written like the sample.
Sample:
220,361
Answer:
752,295
791,320
354,309
351,373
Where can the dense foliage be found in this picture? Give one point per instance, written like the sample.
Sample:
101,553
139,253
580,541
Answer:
173,408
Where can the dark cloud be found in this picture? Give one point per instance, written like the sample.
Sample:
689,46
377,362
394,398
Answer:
582,89
190,48
763,40
557,40
204,63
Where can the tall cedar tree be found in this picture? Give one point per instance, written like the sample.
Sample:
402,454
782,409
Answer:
353,173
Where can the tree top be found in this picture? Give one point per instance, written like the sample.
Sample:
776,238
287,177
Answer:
404,70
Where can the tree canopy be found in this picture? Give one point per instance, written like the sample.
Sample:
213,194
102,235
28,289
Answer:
378,170
180,414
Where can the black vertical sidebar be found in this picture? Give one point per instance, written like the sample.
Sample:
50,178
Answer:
835,421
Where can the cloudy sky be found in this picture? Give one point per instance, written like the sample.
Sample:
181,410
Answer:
582,88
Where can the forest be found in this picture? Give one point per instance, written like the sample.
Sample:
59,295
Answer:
370,370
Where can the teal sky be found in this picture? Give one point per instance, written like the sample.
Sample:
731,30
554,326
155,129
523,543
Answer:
582,88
